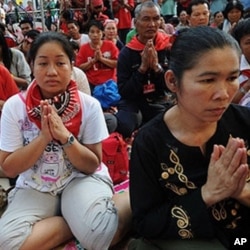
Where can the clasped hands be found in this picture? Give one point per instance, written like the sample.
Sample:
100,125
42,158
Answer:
149,58
52,127
227,174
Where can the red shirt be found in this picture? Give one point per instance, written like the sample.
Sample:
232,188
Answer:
8,86
99,72
124,15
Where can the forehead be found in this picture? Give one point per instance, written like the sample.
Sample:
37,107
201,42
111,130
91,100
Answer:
94,28
50,48
199,8
25,25
149,11
110,24
215,58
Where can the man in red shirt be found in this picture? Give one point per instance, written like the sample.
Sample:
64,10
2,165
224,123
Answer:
122,11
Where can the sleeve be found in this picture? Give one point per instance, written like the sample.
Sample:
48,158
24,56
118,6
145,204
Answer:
157,211
22,67
9,86
130,80
11,137
81,56
94,128
115,52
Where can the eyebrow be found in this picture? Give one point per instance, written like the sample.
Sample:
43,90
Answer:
58,56
213,73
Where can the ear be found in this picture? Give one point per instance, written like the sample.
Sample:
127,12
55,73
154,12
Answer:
171,81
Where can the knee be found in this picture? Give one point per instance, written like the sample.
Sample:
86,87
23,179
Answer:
99,225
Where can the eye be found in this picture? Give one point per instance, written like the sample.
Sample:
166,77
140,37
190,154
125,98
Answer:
60,63
233,78
42,63
207,80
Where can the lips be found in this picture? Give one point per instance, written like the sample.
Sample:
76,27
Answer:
217,111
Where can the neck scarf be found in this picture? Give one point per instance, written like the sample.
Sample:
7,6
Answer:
245,72
66,104
161,42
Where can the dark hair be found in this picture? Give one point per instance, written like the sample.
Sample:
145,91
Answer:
32,34
74,22
6,52
74,45
2,27
241,29
194,3
67,14
26,20
49,37
191,44
97,24
217,12
234,4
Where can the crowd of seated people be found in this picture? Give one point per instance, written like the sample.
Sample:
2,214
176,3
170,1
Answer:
130,44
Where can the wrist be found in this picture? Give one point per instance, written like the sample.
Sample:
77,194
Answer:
69,141
207,198
158,68
142,70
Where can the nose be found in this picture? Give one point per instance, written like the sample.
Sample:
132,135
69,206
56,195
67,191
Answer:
51,70
152,22
222,91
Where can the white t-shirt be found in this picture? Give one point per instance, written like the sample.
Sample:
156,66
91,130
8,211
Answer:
82,40
53,170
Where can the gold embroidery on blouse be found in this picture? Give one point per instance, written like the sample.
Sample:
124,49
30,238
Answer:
219,213
174,188
177,169
182,222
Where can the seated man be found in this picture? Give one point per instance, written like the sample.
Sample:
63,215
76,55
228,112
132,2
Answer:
141,79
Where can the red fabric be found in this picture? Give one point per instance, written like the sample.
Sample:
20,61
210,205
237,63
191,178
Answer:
10,42
124,15
162,41
115,157
64,28
8,86
99,72
102,17
67,104
96,2
245,72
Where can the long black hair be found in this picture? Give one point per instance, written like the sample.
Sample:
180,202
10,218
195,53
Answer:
190,44
6,53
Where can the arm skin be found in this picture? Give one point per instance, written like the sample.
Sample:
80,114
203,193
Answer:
85,158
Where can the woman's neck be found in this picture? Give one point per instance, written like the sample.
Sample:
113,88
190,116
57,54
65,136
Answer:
187,130
95,45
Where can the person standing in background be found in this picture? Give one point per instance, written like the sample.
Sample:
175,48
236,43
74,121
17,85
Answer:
122,11
168,9
198,12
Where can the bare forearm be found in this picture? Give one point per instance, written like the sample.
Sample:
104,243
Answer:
244,197
109,62
20,82
87,65
24,158
82,158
